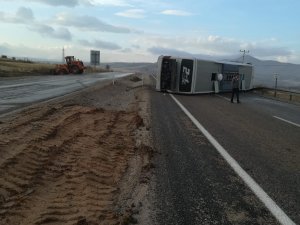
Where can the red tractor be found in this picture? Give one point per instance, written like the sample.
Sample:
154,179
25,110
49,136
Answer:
72,66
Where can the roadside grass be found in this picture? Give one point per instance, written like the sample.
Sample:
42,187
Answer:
11,68
281,95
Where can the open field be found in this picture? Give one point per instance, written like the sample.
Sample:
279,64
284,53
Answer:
9,68
18,68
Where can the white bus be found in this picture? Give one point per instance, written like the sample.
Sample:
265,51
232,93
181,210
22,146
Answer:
195,76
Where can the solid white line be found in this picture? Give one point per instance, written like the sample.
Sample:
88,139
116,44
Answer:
18,85
220,96
295,124
258,191
154,77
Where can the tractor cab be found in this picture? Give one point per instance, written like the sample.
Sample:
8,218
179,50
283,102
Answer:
69,59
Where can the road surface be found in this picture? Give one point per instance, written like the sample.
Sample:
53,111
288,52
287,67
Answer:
21,91
195,185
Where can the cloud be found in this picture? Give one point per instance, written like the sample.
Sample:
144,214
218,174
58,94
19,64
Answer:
4,48
132,13
88,23
173,12
74,3
100,44
180,53
48,31
265,50
67,3
23,16
212,47
209,45
120,3
44,52
136,46
153,4
126,50
169,51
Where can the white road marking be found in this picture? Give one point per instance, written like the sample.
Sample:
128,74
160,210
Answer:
287,121
220,96
154,77
295,124
18,85
258,191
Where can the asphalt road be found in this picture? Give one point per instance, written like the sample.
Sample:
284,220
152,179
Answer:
195,185
18,92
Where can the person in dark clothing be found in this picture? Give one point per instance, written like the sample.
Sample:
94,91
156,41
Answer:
235,83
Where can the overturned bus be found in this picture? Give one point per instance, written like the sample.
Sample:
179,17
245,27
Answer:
195,76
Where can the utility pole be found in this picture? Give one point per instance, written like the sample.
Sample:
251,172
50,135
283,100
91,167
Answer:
63,55
244,53
275,88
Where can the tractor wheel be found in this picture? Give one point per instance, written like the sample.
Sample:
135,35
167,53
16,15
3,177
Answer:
62,72
75,69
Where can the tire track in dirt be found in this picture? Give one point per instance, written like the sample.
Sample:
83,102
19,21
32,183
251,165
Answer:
16,133
62,165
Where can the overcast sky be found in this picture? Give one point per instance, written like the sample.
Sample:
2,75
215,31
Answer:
141,30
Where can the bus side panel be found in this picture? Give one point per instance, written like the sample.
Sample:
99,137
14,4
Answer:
246,72
205,70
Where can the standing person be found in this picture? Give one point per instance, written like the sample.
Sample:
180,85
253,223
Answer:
235,83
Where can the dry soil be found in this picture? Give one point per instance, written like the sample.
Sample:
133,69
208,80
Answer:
83,159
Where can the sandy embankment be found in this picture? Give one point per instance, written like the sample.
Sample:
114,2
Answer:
81,160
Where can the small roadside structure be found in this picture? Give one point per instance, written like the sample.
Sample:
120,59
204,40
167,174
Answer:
196,76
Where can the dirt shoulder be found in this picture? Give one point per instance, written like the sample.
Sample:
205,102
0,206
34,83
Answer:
83,159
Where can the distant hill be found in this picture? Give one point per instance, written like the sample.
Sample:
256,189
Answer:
264,70
146,68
